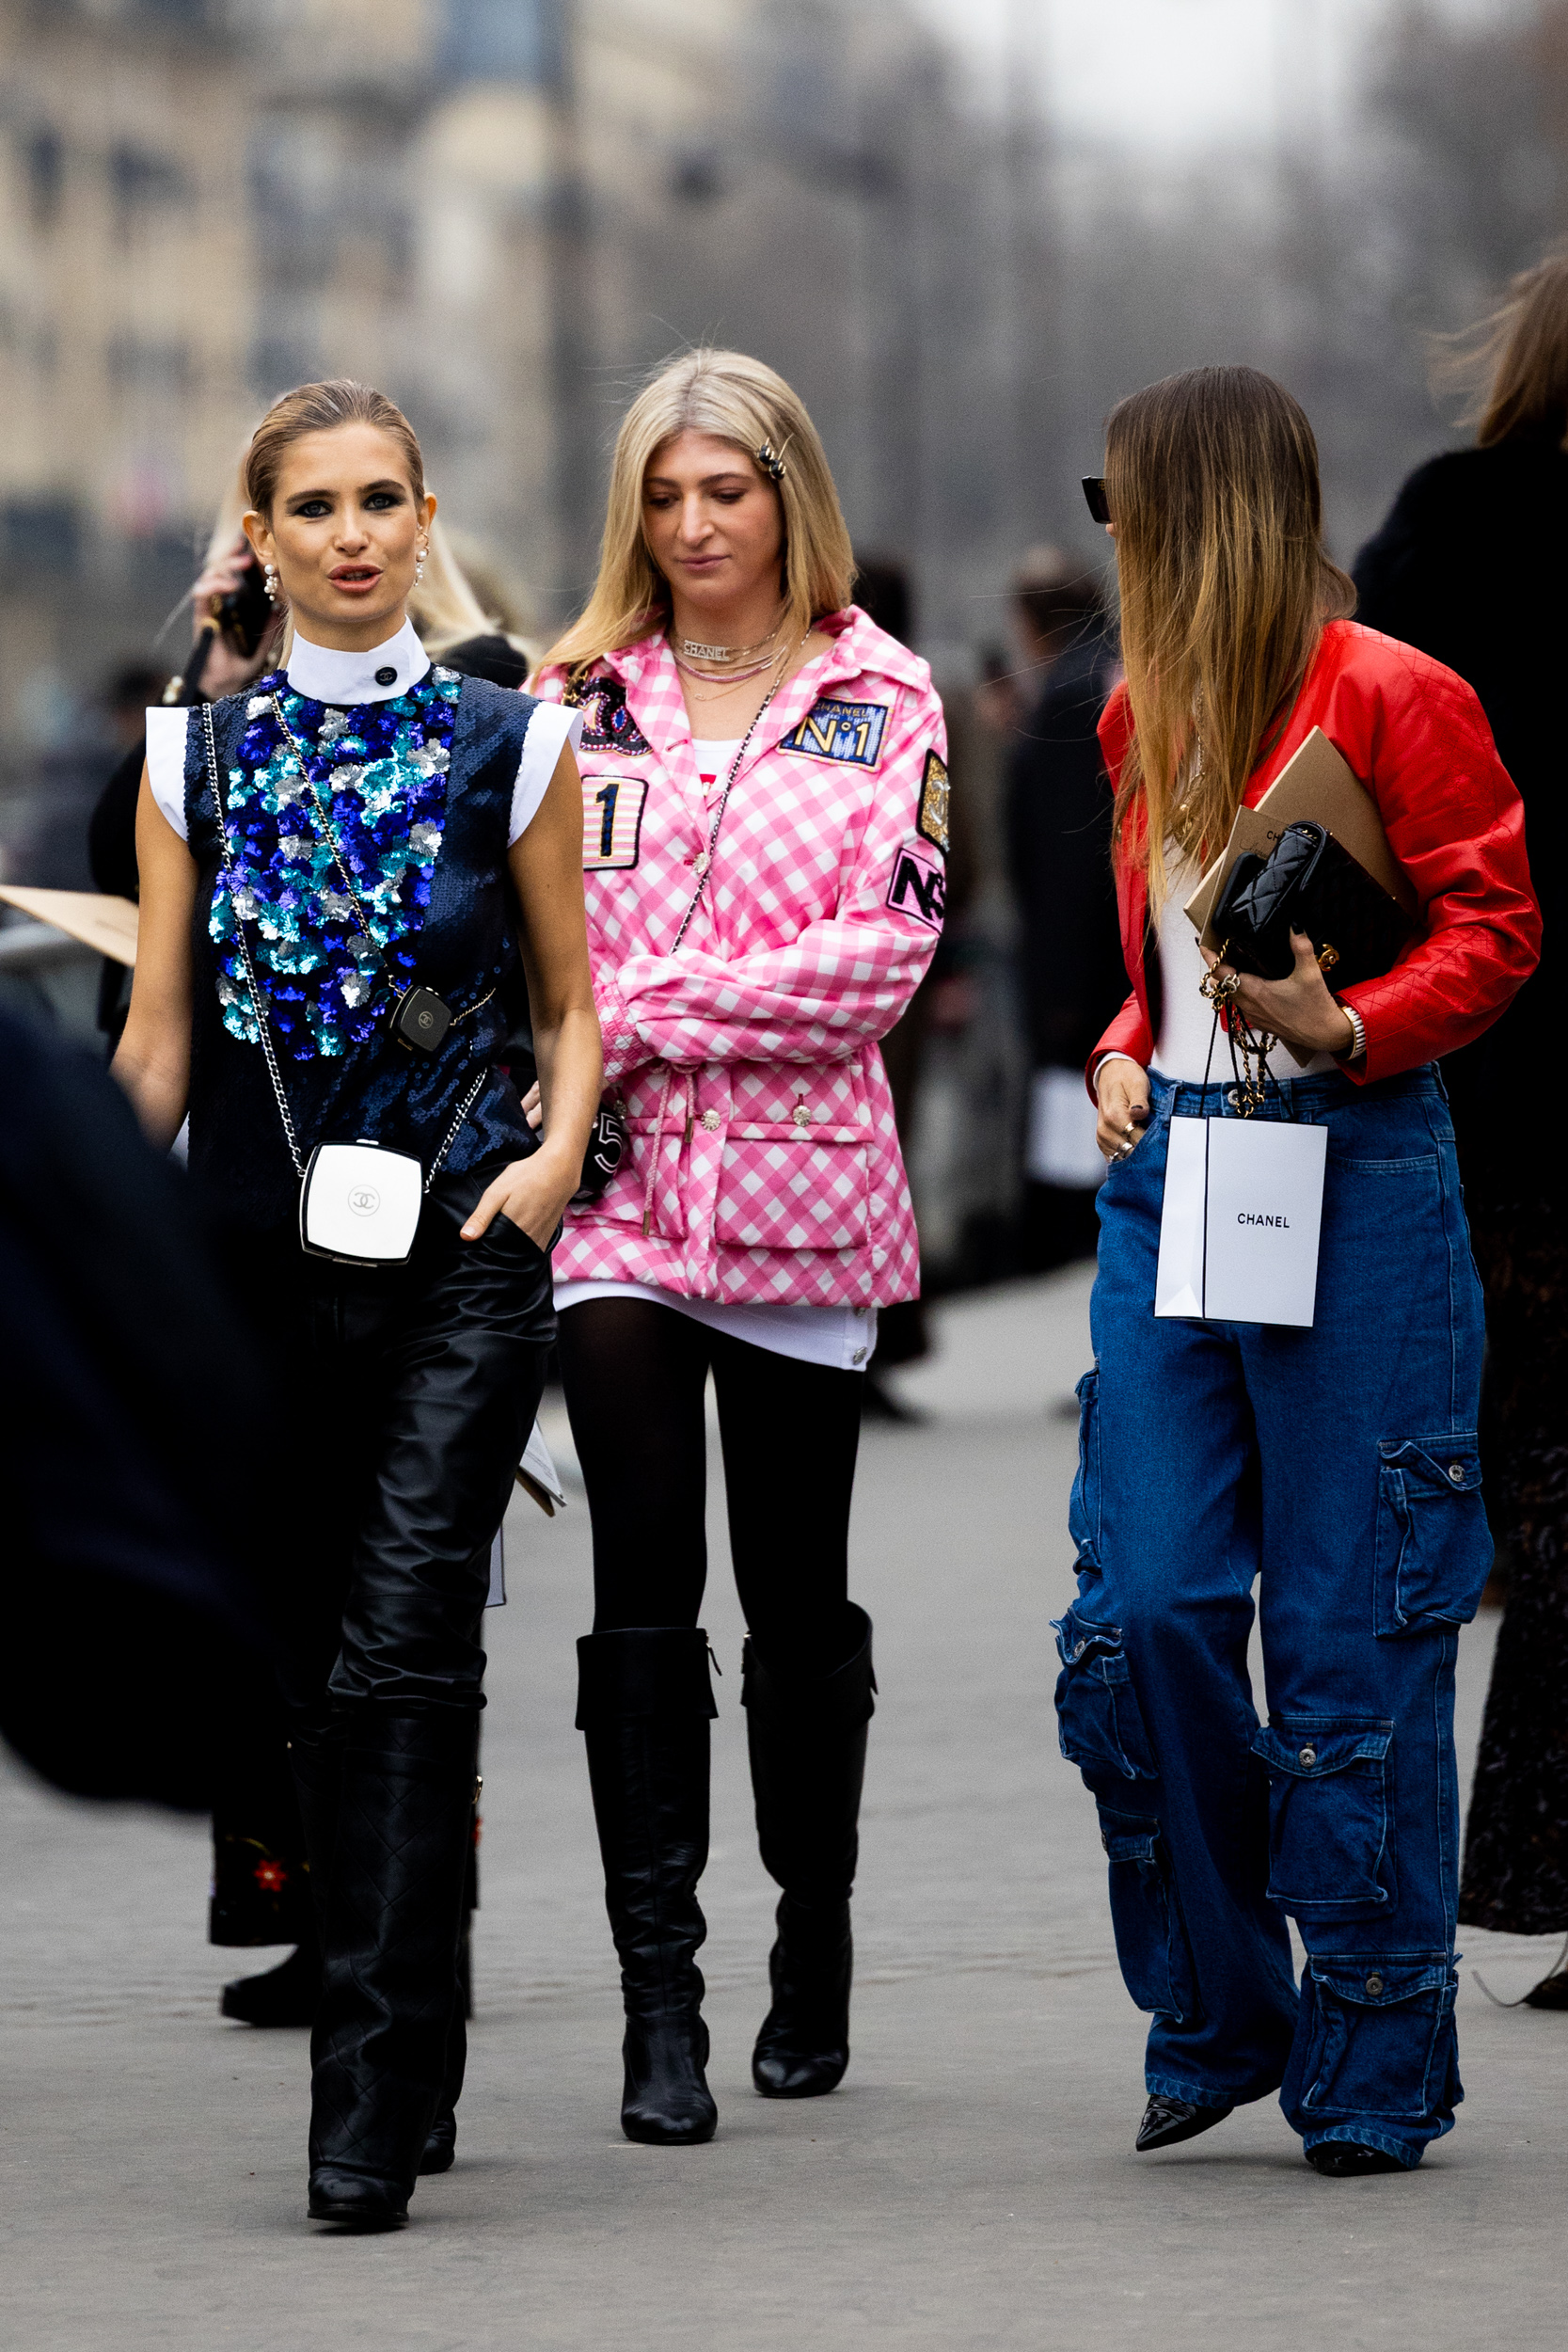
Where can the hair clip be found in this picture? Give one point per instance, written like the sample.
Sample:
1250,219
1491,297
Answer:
774,466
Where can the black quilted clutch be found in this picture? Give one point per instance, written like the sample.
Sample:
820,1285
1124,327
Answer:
1310,883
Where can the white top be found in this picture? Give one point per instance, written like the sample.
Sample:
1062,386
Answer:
324,675
1182,1051
842,1337
715,759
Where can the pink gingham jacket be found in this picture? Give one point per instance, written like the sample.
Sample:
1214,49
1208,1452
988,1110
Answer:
764,1162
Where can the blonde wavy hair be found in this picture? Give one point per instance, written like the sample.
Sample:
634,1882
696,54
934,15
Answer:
1513,363
1212,481
739,400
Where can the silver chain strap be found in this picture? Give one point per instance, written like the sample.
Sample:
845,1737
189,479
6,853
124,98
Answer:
704,866
260,1006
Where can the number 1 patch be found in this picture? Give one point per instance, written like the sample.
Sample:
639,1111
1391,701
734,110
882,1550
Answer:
612,821
919,886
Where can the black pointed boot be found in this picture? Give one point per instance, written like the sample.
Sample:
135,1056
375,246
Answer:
391,1913
807,1743
645,1702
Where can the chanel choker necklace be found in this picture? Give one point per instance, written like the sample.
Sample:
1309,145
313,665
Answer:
695,650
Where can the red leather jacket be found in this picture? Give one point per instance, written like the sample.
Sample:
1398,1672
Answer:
1418,738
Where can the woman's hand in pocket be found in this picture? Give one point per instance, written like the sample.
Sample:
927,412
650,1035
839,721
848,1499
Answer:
534,1109
1121,1089
533,1194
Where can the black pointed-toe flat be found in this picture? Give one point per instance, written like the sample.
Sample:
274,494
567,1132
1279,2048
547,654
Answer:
1346,2160
1167,2122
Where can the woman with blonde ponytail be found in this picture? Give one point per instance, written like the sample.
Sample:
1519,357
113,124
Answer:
1339,1461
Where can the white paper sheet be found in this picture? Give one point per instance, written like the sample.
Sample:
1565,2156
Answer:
1240,1225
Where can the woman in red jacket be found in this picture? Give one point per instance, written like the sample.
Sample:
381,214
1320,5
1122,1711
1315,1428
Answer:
1339,1461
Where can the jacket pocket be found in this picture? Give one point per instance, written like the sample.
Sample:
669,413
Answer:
1155,1956
1331,1843
1098,1720
1082,1510
1380,2037
783,1189
1433,1546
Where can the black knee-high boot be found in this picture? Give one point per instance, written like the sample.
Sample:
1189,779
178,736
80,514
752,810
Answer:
645,1702
807,1743
391,1911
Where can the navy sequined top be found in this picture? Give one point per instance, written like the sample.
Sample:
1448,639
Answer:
418,790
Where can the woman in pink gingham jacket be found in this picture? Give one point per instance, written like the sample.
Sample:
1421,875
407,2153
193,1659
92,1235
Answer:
765,806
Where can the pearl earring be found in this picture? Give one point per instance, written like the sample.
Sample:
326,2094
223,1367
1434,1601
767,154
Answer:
269,581
419,566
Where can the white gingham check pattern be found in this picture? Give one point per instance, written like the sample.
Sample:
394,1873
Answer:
763,1158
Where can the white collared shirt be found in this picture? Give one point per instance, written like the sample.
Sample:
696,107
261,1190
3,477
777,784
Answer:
324,675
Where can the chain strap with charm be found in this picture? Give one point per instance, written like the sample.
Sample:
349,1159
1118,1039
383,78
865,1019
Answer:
358,1202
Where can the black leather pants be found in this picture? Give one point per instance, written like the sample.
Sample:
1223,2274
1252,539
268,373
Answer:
406,1396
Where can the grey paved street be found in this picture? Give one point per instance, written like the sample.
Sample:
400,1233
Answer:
972,2185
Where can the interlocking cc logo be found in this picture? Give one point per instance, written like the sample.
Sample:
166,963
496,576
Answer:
364,1200
425,1020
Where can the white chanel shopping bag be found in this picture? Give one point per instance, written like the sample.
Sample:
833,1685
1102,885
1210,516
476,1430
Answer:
1239,1230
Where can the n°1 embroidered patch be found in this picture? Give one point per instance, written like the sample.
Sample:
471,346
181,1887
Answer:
851,732
612,821
607,725
919,887
932,819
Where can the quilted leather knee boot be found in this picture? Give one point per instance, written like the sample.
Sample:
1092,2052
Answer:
645,1703
391,1913
807,1741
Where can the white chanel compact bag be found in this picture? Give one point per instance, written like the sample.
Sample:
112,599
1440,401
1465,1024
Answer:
361,1202
1240,1225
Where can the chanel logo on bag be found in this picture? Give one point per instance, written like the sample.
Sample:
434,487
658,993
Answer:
364,1200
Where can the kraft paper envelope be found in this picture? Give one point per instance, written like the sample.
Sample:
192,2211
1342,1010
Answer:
1320,784
107,924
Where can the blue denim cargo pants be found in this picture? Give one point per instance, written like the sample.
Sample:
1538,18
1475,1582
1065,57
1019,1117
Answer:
1337,1468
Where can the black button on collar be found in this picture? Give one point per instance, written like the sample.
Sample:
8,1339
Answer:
387,676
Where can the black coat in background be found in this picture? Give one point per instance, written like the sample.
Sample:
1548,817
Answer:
1059,856
1472,566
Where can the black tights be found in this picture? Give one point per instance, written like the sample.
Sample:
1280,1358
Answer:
635,1375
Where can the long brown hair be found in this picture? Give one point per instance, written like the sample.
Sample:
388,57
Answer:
738,399
318,409
1513,363
1212,479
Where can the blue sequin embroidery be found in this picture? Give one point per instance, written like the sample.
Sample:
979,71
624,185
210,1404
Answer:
386,790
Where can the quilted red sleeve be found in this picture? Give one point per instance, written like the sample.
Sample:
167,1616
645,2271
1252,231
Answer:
1456,823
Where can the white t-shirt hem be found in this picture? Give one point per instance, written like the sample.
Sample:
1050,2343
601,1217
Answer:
842,1338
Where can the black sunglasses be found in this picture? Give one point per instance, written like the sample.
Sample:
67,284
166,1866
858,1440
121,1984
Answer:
1094,493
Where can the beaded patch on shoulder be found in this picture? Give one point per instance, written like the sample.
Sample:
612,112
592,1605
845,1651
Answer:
380,770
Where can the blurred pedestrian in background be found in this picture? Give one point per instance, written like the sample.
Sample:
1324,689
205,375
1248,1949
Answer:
361,829
1471,566
763,789
1058,821
1338,1460
884,594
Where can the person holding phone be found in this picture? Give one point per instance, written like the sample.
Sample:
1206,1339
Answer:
1336,1463
332,864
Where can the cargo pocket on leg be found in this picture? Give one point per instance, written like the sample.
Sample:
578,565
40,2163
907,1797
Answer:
1433,1546
1381,2036
1098,1717
1331,1830
1082,1510
1146,1913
